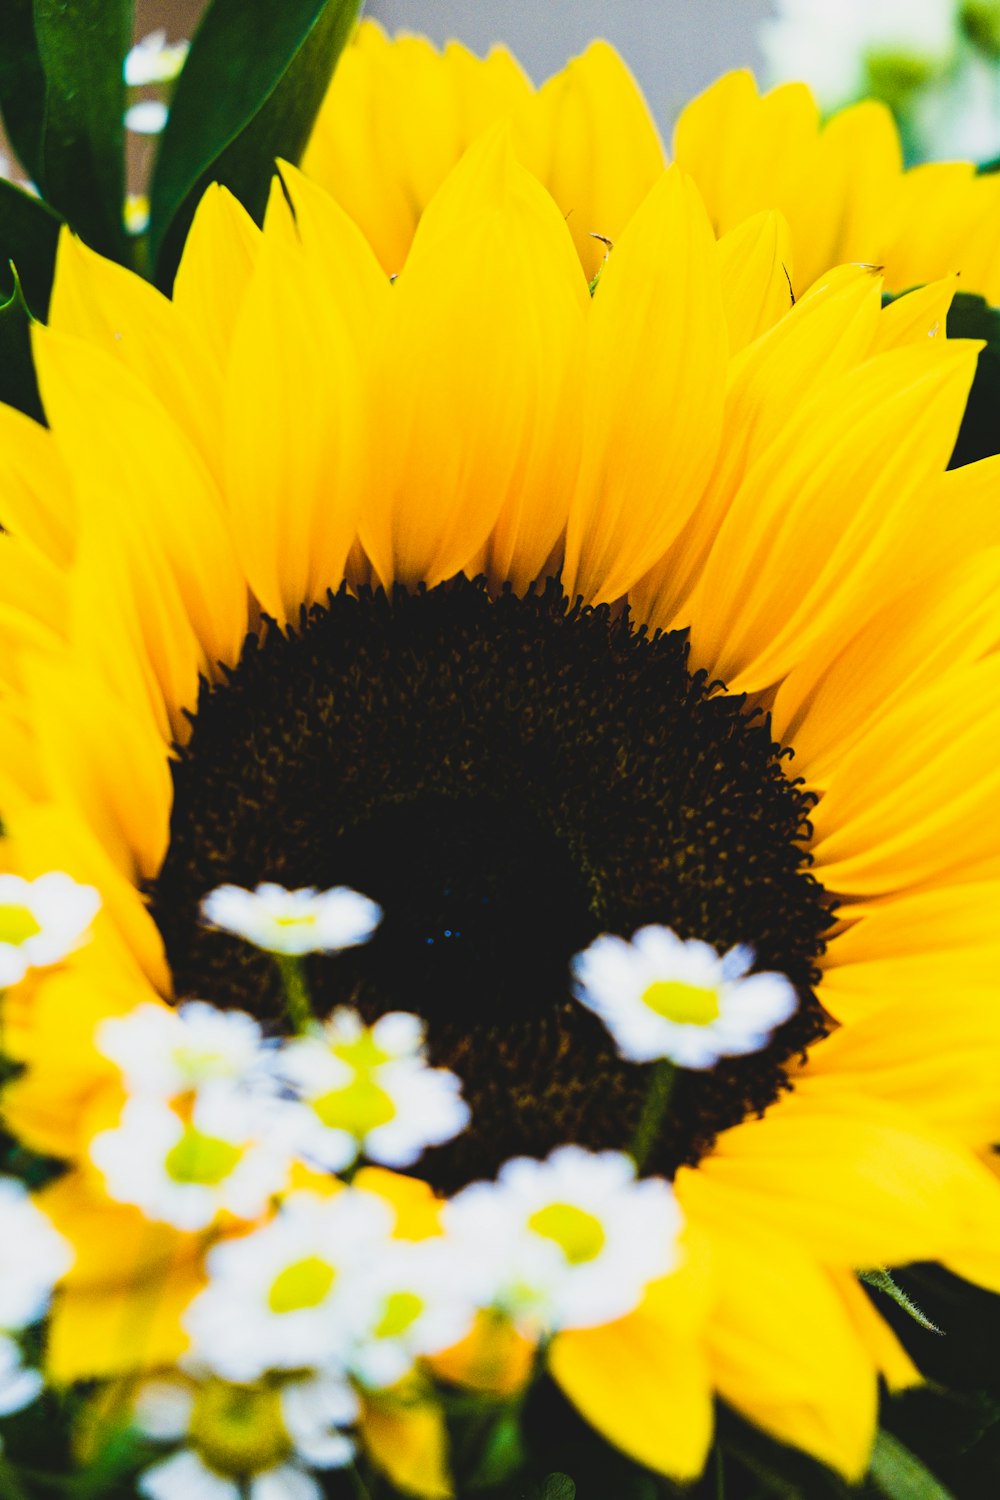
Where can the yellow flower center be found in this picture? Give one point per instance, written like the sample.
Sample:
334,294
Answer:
579,1235
305,1283
402,1309
309,920
686,1004
202,1159
237,1429
362,1052
358,1108
17,925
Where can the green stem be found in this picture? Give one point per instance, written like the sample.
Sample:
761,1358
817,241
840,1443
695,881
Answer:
654,1109
293,981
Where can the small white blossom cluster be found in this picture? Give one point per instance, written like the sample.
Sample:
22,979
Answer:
316,1292
33,1257
663,998
41,921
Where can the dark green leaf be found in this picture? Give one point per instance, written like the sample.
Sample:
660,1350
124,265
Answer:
18,386
972,318
22,84
29,234
502,1454
899,1475
82,45
247,94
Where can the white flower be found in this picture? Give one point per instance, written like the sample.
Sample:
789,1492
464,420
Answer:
136,216
244,1439
369,1091
41,921
293,922
662,997
155,60
33,1256
426,1297
570,1242
148,117
290,1296
827,42
18,1385
163,1052
231,1153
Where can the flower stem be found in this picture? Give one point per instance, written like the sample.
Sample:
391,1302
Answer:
293,982
654,1109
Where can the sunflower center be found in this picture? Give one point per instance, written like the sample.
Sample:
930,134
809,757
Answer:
508,778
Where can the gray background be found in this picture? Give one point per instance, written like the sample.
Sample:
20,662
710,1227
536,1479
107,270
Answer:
674,47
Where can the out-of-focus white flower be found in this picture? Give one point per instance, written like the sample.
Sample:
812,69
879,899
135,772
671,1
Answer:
662,997
33,1256
146,117
571,1242
19,1385
296,1294
244,1440
164,1052
831,44
41,921
229,1152
155,60
293,922
369,1091
426,1297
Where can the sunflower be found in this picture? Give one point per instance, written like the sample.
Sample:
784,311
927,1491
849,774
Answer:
399,114
540,615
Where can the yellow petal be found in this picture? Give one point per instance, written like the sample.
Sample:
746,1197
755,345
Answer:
103,762
946,621
42,836
784,1350
891,1359
643,1381
938,1058
914,796
755,264
37,495
474,361
409,1444
854,1180
809,539
215,268
653,391
138,478
589,136
294,428
101,302
918,315
493,1357
829,331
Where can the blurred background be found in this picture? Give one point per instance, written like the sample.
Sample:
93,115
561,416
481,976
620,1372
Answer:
936,63
674,47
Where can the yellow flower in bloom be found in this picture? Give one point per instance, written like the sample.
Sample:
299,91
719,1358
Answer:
268,614
399,114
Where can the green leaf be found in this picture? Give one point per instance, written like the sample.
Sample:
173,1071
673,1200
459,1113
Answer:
899,1475
18,385
82,45
22,85
29,235
247,94
971,317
